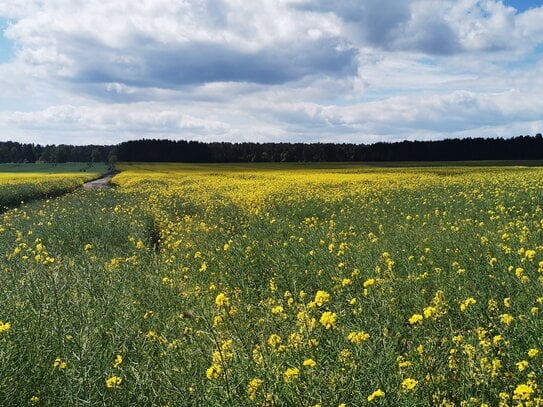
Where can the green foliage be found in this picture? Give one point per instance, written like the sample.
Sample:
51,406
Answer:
215,285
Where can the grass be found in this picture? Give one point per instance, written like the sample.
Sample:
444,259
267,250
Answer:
52,168
264,285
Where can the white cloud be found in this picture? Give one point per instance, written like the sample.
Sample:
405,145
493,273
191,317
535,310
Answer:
269,70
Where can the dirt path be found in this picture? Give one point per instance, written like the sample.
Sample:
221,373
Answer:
100,183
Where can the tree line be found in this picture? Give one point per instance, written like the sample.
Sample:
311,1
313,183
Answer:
151,150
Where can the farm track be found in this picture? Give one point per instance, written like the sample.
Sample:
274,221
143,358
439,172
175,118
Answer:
100,183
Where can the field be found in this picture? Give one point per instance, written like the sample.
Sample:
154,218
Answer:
23,182
283,285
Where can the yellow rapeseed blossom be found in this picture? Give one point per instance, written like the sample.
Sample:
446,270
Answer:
506,319
60,364
214,371
118,361
466,303
4,326
369,282
409,384
530,254
221,300
523,392
252,388
328,320
346,282
278,309
113,382
376,394
309,363
258,358
416,319
429,311
291,374
402,363
358,337
321,298
274,340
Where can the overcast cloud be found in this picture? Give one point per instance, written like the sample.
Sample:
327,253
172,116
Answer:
269,70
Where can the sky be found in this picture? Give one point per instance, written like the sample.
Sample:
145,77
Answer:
359,71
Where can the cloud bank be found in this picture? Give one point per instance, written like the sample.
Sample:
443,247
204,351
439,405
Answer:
270,70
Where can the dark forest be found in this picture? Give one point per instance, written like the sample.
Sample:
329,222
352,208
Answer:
147,150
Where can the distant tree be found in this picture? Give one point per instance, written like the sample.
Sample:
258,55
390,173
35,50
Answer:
112,157
96,155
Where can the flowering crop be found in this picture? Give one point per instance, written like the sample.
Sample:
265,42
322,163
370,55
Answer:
278,285
20,184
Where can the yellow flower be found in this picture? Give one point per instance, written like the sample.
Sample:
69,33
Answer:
278,309
523,392
358,337
4,326
346,281
274,340
409,385
533,352
466,303
310,363
113,382
59,363
522,365
402,363
213,372
530,254
328,319
252,388
118,361
34,400
506,319
222,300
415,319
291,374
321,298
429,311
257,356
375,394
369,282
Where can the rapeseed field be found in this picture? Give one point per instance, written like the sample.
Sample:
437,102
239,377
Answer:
280,285
23,182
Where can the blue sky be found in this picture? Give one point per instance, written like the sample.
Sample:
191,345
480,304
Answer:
269,71
6,45
523,5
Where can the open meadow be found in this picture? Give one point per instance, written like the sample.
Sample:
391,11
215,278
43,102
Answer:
277,284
